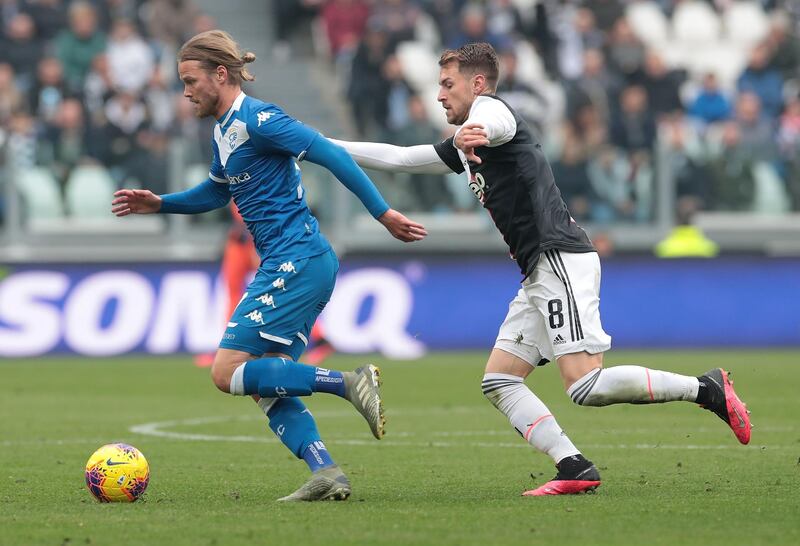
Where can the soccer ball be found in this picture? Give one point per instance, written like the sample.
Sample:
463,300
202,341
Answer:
117,473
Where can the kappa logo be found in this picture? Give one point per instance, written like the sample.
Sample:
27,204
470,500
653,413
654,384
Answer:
267,299
279,283
287,267
558,340
263,117
256,316
281,392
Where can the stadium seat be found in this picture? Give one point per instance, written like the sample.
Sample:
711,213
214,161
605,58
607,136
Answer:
724,59
770,196
40,193
648,22
89,192
695,22
525,6
420,64
425,31
530,68
745,23
429,94
194,174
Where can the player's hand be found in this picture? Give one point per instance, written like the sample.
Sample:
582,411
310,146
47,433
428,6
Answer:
135,202
401,227
469,137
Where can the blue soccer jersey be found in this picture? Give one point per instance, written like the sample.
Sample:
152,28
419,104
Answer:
255,146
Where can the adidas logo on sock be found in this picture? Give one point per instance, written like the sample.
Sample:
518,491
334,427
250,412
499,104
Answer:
558,340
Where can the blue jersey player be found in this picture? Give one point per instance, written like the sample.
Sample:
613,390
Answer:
256,146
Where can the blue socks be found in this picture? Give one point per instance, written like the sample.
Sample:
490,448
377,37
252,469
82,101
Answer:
275,377
317,457
329,381
291,421
284,380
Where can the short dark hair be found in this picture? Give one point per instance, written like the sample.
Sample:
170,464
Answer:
477,58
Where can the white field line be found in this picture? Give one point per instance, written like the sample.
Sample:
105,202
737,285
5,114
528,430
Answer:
440,439
159,429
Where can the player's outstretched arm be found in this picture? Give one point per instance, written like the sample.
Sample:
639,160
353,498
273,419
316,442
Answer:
421,159
336,159
206,196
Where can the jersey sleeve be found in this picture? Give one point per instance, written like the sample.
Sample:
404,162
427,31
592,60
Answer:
216,172
496,119
273,131
448,153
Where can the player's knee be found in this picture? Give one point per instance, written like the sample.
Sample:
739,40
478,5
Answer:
221,380
221,375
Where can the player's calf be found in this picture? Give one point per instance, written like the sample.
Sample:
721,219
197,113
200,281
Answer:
278,377
631,385
528,415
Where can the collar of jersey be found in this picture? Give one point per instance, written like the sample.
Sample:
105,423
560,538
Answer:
234,108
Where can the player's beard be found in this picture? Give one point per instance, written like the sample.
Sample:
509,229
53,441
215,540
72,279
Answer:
453,118
207,106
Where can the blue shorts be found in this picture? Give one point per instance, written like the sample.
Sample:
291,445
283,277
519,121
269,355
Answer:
280,306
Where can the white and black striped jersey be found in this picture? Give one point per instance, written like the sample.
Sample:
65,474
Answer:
515,184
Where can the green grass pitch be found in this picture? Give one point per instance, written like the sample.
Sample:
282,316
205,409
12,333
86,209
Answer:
449,471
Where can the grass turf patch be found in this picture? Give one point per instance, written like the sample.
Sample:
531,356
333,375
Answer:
449,471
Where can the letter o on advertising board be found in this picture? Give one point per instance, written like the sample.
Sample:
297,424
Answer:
384,329
83,328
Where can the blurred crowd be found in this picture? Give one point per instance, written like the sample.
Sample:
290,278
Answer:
615,98
612,100
93,82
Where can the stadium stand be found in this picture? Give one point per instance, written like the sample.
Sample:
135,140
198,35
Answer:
643,106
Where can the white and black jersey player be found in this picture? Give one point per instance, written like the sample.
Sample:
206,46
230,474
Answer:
555,315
